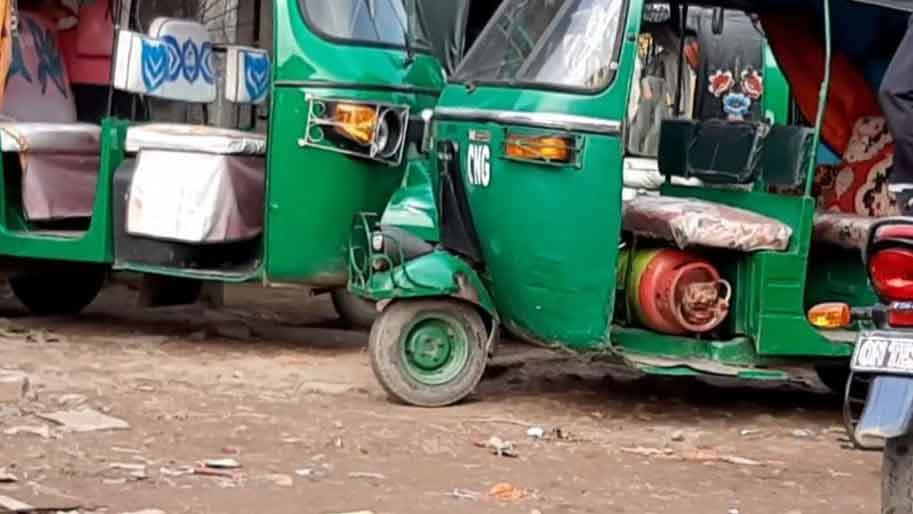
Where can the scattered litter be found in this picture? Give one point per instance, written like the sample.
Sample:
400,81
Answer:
465,494
213,472
85,420
177,472
7,477
280,480
536,432
222,464
838,474
42,431
647,452
14,386
499,447
740,461
118,449
312,473
71,400
694,456
14,505
135,471
373,476
505,492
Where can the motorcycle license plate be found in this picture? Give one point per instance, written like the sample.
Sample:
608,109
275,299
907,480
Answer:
884,352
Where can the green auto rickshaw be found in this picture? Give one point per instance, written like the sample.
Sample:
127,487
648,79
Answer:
738,265
228,148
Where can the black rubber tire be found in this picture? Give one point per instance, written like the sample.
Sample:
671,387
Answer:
834,376
355,312
57,293
387,360
897,476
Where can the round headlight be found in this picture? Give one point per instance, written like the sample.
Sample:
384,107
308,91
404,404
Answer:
388,135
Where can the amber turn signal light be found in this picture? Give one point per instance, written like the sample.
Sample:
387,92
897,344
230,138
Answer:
830,316
356,122
540,148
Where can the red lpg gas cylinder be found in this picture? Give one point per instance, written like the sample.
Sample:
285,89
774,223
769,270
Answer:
681,293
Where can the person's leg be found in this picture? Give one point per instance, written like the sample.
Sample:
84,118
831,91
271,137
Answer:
896,97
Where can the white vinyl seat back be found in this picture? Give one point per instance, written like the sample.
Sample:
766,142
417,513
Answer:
247,75
174,61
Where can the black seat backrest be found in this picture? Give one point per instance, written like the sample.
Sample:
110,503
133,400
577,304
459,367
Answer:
715,151
788,152
735,152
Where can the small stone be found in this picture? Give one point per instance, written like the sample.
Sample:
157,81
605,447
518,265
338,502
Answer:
802,433
373,476
281,480
85,420
678,436
7,477
536,432
14,386
222,464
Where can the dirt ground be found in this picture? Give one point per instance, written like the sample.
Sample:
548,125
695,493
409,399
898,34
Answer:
297,407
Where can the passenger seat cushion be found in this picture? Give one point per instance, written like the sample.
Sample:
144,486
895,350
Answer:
194,138
59,164
70,138
844,230
196,198
688,222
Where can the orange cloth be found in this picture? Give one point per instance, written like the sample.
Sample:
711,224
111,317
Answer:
800,54
6,44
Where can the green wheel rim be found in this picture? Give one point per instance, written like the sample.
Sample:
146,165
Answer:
435,349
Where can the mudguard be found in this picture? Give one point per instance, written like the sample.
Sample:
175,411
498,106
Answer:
439,273
888,410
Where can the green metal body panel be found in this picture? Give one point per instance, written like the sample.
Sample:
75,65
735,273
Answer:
776,90
550,241
413,206
19,239
313,194
439,273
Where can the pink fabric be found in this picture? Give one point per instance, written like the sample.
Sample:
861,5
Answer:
59,186
38,88
690,222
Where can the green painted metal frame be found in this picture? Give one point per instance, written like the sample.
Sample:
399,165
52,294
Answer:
96,244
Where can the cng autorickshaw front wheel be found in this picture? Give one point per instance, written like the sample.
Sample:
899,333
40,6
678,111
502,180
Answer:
429,353
897,476
355,312
51,293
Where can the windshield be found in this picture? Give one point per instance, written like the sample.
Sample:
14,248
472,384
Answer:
559,43
384,22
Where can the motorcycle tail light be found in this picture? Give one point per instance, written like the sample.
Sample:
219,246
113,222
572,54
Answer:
891,271
901,315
